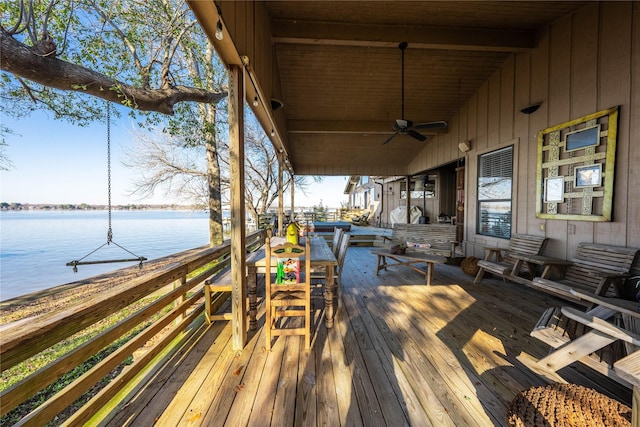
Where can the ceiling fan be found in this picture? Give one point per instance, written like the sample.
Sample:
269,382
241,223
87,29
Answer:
406,127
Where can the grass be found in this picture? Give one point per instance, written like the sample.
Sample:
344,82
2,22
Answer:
19,372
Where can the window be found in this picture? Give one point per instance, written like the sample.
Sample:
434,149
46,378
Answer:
364,180
495,183
423,186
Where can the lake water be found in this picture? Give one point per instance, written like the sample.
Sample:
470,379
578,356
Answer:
36,245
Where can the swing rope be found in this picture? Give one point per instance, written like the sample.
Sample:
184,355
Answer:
140,259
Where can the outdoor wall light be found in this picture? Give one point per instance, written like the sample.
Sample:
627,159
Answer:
464,146
530,109
255,101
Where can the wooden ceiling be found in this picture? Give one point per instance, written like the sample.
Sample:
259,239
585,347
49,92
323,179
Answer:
338,67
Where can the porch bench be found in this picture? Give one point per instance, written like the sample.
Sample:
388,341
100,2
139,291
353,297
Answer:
507,266
409,259
594,268
433,239
217,290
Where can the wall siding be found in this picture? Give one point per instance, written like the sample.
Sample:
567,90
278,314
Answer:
584,63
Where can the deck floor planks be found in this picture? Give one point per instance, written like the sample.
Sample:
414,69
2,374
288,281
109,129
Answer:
362,389
369,358
400,353
427,397
343,369
327,405
285,401
307,395
189,409
158,389
245,396
230,386
404,392
435,362
263,407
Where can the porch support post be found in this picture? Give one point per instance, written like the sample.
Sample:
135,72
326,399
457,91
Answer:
237,187
280,196
408,200
293,188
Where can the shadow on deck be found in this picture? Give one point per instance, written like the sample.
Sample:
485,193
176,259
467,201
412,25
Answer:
400,353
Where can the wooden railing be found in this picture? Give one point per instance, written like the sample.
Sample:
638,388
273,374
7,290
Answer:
181,304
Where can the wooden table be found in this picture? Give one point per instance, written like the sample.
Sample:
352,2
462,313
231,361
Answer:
548,263
321,257
409,259
494,252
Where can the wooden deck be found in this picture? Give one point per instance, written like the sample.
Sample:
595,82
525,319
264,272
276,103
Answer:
401,353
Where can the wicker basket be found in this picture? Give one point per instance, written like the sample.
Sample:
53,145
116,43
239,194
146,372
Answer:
566,405
470,266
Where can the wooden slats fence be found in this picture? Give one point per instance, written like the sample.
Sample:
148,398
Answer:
23,339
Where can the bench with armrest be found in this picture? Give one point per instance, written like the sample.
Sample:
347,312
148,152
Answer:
433,239
503,265
594,269
217,290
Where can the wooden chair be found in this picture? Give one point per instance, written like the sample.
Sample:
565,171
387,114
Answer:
341,255
288,300
586,337
337,237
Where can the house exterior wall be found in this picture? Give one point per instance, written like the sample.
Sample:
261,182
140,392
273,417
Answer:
584,63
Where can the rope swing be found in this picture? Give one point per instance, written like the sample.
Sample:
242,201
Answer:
109,241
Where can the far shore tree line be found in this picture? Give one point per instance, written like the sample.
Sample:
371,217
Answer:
5,206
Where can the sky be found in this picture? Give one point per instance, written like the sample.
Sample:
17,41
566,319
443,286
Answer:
55,162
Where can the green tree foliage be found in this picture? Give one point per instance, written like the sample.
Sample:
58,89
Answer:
147,55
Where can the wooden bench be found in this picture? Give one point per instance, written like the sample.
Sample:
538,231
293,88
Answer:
594,269
503,266
409,259
217,290
434,239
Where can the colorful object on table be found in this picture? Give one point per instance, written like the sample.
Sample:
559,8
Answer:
292,233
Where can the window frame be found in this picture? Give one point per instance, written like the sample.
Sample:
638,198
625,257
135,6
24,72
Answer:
502,226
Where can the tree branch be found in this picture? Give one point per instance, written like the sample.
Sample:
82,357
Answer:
19,59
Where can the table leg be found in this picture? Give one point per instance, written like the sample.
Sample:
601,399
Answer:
429,273
382,260
329,285
252,284
516,267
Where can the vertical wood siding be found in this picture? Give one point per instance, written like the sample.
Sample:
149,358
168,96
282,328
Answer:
584,63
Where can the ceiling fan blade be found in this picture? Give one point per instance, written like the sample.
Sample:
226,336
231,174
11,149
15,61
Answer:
390,138
431,125
416,135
